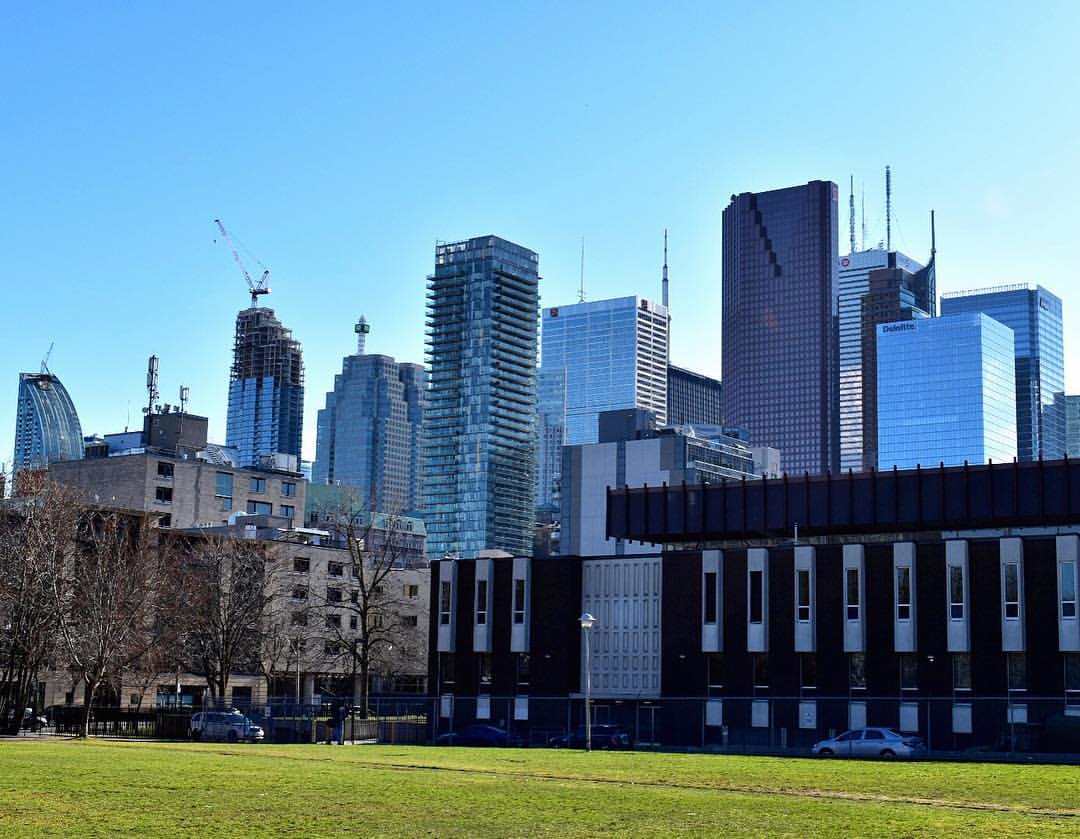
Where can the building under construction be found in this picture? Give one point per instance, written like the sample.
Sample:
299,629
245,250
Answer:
266,392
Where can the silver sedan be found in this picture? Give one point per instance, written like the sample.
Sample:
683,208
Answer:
871,742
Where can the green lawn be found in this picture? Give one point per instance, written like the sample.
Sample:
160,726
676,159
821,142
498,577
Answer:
67,788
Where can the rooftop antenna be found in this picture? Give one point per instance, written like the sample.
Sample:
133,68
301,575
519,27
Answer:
151,383
851,212
361,329
581,287
45,360
933,238
888,208
863,241
665,282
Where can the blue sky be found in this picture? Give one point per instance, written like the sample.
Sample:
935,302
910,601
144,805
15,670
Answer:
340,142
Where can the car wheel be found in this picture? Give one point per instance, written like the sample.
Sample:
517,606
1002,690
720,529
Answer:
825,753
888,754
232,737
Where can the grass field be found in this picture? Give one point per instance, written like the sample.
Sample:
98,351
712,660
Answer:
67,788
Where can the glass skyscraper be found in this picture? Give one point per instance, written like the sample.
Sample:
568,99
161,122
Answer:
693,398
780,320
1034,315
479,442
266,392
47,427
368,434
1072,426
946,392
550,434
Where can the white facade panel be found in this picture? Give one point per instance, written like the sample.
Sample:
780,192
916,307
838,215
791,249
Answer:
957,602
519,623
483,594
904,605
1011,551
1068,566
856,715
759,713
854,605
757,630
447,617
805,612
598,472
712,633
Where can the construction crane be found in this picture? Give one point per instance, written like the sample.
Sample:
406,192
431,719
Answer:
45,360
256,288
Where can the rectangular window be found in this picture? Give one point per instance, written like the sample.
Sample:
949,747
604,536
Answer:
1068,589
333,621
287,511
1012,590
485,668
852,594
524,665
335,569
333,595
299,619
1017,664
412,591
714,662
288,489
444,603
353,622
164,469
301,564
756,589
299,593
447,669
802,595
519,601
956,592
961,671
410,620
481,602
909,672
857,671
1072,672
808,671
223,483
710,596
761,669
165,520
257,485
354,595
163,495
260,508
903,593
332,649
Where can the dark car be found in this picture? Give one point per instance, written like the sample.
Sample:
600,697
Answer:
604,737
479,735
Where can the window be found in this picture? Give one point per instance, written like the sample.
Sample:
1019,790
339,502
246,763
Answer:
165,520
223,483
299,593
481,602
299,619
444,603
377,621
447,669
523,667
903,593
956,592
257,485
961,671
260,508
755,593
335,569
163,495
1068,589
1012,590
301,564
857,671
332,649
808,671
287,511
333,621
410,620
353,622
354,596
873,734
485,668
519,601
802,595
909,672
333,595
288,489
714,663
164,469
710,596
851,584
761,670
1072,673
411,591
1017,666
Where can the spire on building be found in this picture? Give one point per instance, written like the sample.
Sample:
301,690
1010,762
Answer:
665,281
361,329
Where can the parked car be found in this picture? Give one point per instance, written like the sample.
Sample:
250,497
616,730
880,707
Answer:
604,737
871,742
224,725
30,720
480,734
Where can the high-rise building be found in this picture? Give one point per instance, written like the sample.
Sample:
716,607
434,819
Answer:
693,398
368,434
1034,315
46,425
780,320
946,392
266,392
1072,426
550,436
479,441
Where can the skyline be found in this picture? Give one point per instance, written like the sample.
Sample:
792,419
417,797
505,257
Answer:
369,135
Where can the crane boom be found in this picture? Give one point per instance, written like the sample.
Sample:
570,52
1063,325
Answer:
256,288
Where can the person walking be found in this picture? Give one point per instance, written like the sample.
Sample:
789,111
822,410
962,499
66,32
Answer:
340,730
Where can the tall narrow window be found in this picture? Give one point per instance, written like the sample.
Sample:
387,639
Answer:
961,671
485,668
802,594
956,592
444,602
1068,589
1072,677
909,672
519,601
1012,590
1017,665
714,662
857,670
852,594
756,592
903,593
761,670
481,602
710,596
808,671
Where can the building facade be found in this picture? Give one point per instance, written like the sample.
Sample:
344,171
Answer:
266,391
1072,426
693,398
47,426
479,442
780,291
550,436
1034,316
946,392
368,435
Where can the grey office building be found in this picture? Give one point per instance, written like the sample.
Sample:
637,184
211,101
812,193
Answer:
479,442
1034,315
693,398
369,432
780,320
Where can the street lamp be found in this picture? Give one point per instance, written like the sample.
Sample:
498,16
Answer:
587,621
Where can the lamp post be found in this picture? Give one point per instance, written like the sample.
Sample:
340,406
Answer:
587,621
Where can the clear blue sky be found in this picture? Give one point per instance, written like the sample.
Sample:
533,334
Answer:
341,141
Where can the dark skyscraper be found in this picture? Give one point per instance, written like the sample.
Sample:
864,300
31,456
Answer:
779,322
692,398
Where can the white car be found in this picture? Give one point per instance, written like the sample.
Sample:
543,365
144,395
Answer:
224,725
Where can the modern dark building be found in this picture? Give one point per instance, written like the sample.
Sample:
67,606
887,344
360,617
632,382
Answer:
693,398
479,442
266,392
47,427
780,294
368,434
1034,316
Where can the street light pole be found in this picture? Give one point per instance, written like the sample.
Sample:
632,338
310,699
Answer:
587,621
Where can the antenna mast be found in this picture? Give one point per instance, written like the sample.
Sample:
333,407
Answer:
361,329
888,209
665,281
863,241
851,212
581,287
151,384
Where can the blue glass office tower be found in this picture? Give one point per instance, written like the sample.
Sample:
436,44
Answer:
1034,315
778,341
550,436
479,442
46,425
946,391
266,392
368,434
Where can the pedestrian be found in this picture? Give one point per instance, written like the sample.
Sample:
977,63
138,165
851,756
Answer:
342,712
